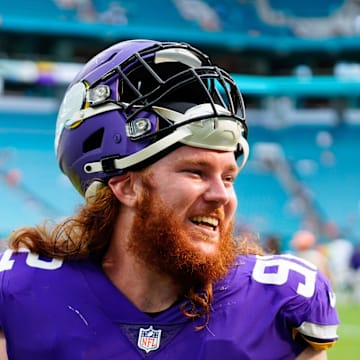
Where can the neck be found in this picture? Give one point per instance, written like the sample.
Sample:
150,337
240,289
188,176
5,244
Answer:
147,290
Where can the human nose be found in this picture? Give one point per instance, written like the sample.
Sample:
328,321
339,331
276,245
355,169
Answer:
218,191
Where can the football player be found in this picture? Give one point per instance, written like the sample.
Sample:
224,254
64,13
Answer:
153,135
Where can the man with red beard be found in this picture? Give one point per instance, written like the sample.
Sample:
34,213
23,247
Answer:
153,135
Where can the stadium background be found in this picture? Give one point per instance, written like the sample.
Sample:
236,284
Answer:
297,64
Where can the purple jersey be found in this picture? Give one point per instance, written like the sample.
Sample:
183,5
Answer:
51,309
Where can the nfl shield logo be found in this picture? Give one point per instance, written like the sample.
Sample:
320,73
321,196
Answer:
149,339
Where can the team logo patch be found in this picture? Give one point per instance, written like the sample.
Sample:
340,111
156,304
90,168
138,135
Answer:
149,339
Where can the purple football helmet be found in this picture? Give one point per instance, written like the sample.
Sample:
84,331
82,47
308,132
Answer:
137,100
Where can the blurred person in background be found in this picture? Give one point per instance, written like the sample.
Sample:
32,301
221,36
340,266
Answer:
153,135
304,243
339,251
355,273
272,244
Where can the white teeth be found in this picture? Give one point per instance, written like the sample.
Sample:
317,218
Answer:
206,220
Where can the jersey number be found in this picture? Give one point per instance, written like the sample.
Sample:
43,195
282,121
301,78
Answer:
32,260
276,271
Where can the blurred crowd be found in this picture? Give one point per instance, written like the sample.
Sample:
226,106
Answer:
338,258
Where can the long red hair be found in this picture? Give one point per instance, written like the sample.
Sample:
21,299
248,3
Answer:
88,233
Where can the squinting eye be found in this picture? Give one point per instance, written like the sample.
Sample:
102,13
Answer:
196,174
194,171
229,179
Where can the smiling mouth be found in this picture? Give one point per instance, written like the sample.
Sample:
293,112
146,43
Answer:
206,221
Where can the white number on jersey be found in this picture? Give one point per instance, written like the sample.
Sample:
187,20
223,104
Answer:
275,270
32,260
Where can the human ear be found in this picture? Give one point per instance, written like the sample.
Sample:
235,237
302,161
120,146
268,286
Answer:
124,188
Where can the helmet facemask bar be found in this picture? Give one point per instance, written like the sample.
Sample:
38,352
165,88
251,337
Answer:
213,85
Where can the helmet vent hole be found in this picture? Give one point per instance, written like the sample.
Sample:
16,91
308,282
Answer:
94,141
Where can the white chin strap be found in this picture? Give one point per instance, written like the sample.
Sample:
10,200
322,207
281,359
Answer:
214,133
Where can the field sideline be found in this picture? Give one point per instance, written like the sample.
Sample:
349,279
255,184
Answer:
348,345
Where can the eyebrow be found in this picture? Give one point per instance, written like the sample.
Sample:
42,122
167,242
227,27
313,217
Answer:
203,163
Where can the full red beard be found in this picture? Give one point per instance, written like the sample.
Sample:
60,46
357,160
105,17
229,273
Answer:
158,240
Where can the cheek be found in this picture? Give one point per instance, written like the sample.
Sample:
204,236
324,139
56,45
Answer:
179,195
232,204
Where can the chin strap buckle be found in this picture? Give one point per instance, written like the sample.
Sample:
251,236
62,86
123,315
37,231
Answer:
108,164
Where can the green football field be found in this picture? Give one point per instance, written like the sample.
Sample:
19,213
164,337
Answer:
348,345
